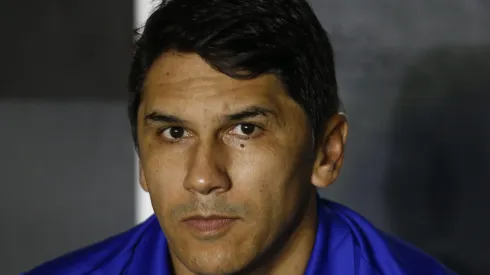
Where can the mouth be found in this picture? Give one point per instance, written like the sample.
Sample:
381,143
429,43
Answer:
209,226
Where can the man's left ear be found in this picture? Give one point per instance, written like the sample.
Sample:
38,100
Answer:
330,152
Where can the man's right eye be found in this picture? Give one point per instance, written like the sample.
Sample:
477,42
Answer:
175,133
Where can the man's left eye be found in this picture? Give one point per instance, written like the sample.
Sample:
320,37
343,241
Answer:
245,129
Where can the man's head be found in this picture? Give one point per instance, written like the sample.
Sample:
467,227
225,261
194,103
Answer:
234,114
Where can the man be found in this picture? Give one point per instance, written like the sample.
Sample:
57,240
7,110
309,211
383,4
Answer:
235,116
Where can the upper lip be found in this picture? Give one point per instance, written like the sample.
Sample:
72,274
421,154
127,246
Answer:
208,217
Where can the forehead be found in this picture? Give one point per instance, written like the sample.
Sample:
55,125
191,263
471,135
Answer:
178,76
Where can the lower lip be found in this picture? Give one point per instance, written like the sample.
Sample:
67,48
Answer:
209,227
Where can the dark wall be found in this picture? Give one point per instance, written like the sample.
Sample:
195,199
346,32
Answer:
440,156
68,49
415,79
66,157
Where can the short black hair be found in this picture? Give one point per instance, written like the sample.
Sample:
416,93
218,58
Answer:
244,39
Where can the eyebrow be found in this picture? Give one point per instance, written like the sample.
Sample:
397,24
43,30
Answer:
156,116
249,112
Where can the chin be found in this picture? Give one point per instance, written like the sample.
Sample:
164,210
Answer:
214,268
216,263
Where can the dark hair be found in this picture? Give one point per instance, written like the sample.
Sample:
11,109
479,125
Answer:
244,39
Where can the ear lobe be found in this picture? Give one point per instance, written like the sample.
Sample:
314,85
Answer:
330,152
142,178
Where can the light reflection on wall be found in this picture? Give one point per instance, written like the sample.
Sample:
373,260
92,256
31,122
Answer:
143,208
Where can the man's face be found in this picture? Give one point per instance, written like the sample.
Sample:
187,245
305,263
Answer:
227,162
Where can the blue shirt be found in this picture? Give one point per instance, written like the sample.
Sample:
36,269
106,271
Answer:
346,244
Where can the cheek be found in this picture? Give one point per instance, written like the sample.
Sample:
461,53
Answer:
164,174
262,168
253,170
265,177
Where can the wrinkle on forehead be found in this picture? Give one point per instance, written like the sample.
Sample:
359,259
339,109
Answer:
184,71
188,77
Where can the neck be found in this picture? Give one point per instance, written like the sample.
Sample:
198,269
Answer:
293,255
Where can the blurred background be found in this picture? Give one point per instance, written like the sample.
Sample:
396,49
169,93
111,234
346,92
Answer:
414,77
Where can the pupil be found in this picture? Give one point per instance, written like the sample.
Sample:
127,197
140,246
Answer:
176,132
248,129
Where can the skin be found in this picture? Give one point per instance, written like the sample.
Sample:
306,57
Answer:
201,154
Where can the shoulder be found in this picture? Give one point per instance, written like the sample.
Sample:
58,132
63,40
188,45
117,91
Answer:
110,255
383,253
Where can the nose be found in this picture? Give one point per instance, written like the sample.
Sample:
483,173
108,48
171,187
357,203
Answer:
207,170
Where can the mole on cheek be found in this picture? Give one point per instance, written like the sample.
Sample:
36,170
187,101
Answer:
242,145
